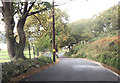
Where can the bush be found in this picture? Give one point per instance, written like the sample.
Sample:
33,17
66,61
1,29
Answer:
15,68
109,58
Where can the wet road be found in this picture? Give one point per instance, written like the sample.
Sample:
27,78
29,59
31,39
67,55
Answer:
74,69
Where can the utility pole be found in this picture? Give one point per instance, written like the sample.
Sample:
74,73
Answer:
53,33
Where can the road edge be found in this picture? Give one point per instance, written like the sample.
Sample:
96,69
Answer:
31,72
116,71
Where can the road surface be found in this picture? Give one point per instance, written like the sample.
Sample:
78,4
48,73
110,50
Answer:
74,69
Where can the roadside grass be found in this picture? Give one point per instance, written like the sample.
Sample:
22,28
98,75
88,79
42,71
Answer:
3,52
2,61
19,67
5,58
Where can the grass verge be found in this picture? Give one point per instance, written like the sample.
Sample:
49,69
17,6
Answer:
19,67
31,72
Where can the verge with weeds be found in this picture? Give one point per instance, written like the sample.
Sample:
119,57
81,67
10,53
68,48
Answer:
16,68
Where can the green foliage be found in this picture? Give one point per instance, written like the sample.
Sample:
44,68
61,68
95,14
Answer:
13,69
109,58
77,48
79,30
40,29
81,55
43,43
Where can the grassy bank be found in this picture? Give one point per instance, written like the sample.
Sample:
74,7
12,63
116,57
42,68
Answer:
104,50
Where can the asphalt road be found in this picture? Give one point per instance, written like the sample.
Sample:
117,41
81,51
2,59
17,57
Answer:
74,69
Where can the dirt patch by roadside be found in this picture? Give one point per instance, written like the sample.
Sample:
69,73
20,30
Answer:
29,73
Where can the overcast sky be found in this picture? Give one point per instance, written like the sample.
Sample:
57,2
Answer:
82,9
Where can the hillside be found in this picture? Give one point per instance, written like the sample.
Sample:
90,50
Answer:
104,50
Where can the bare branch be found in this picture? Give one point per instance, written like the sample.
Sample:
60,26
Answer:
31,7
25,7
19,10
32,13
25,13
38,19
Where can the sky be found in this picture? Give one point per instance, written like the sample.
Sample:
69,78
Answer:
81,9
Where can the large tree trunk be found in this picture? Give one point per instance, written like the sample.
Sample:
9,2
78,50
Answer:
22,39
7,11
20,29
15,49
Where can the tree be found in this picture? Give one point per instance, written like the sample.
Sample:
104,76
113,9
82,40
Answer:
80,30
23,9
40,29
106,21
86,29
